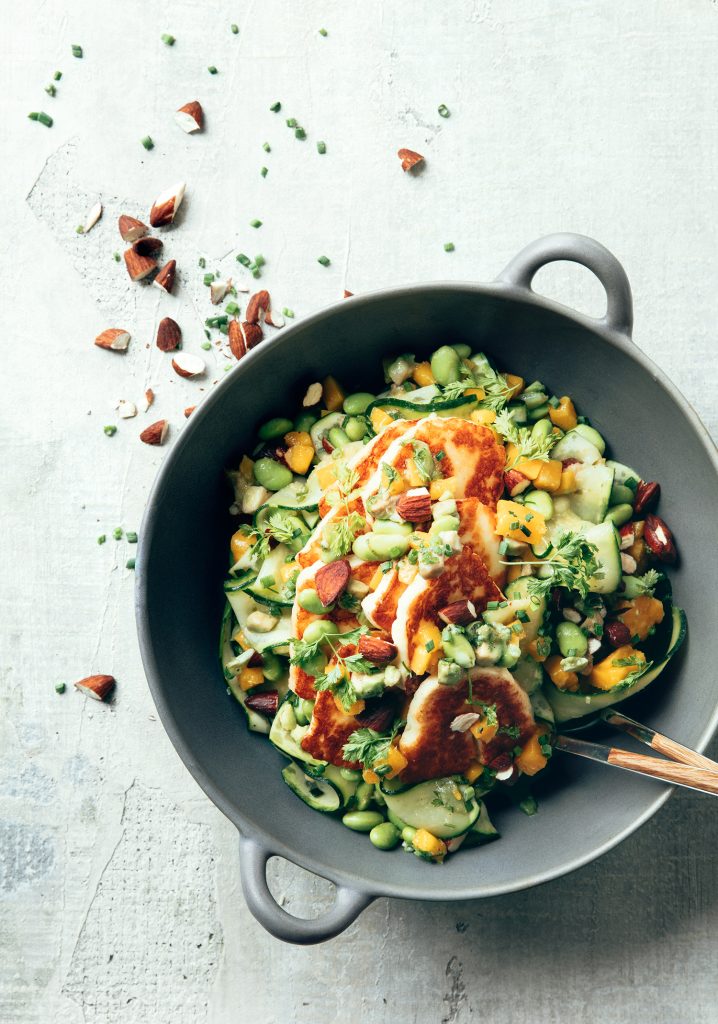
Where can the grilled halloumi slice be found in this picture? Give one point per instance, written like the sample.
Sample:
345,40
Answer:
329,730
434,749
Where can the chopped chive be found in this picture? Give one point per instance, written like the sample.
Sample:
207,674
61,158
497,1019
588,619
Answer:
167,39
117,533
212,69
266,147
492,605
321,148
80,229
529,516
208,279
243,259
101,539
444,110
116,256
256,272
216,321
76,50
514,526
516,627
441,454
323,32
131,537
224,328
264,171
503,547
449,246
503,604
525,530
130,563
42,117
51,90
202,262
110,430
276,107
60,687
206,345
57,76
429,645
255,223
324,260
234,29
147,142
259,260
291,122
299,133
554,402
231,308
522,616
289,313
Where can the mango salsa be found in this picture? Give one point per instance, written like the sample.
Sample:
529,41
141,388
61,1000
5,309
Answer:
519,522
613,670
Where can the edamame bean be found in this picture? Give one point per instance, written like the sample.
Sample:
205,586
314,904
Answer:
350,774
571,640
539,412
541,501
272,667
619,514
384,836
591,435
622,495
309,600
305,421
318,630
364,795
378,547
307,707
338,438
277,427
445,365
362,821
407,834
355,428
462,351
272,475
541,429
388,526
356,404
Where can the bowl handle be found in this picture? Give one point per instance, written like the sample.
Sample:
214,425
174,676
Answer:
589,253
349,903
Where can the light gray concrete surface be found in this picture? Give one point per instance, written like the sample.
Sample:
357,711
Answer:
118,879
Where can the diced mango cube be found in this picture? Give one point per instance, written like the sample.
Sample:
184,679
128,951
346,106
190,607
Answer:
519,522
439,489
425,842
564,415
428,648
568,481
613,670
370,777
532,758
412,476
516,384
481,730
560,678
485,417
478,393
549,477
332,394
473,771
356,708
250,677
299,457
422,375
326,475
297,437
241,542
380,419
643,613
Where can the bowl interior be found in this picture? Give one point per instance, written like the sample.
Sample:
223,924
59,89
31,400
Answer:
583,808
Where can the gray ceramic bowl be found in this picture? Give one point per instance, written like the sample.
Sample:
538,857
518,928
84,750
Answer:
182,560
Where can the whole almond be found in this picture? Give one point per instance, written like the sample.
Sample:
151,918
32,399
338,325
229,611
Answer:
138,267
166,277
190,117
130,228
376,650
98,687
266,703
147,246
617,634
258,304
169,335
236,339
414,507
252,334
114,338
165,207
409,159
659,538
647,495
331,580
156,433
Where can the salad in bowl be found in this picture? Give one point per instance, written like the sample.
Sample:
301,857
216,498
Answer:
425,583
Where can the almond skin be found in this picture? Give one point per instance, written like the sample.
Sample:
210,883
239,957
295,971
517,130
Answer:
258,304
409,159
647,495
156,433
515,482
147,246
458,613
130,228
138,266
190,117
165,207
114,338
376,650
169,335
414,508
97,687
252,334
166,277
189,410
185,364
659,538
331,580
236,339
266,703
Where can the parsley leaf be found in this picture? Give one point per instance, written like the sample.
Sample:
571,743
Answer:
368,746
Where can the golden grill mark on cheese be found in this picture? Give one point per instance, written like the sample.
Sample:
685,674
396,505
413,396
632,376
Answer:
472,456
329,730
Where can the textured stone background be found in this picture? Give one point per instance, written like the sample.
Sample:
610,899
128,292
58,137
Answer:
118,879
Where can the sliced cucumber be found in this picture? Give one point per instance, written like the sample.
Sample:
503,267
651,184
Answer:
286,734
423,402
624,475
241,581
541,708
255,721
243,604
518,590
319,430
592,498
528,674
302,494
433,805
573,446
567,705
317,794
482,831
261,588
346,788
608,555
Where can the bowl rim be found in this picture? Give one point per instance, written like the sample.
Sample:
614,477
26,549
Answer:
501,289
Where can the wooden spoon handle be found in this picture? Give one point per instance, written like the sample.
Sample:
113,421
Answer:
682,774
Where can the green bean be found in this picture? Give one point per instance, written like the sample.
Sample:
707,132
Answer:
357,404
618,514
446,365
384,836
364,795
272,667
378,547
318,630
338,438
541,429
362,821
277,427
591,435
462,351
388,526
621,495
571,640
305,421
355,428
541,501
308,599
272,475
407,834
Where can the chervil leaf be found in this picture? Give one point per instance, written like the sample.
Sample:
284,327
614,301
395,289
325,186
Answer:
529,447
646,584
280,527
497,390
368,746
573,564
340,535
